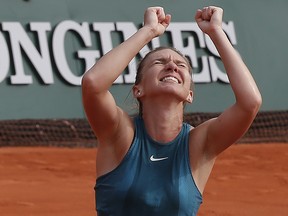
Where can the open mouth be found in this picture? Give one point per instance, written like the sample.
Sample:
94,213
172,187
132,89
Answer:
170,79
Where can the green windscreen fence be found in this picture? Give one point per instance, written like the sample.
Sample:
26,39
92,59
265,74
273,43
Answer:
268,127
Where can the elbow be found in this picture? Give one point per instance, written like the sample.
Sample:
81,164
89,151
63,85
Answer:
257,99
90,83
86,80
253,104
257,103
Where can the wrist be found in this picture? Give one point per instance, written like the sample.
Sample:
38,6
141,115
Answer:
216,32
149,32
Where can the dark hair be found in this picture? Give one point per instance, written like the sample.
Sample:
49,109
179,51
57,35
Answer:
139,73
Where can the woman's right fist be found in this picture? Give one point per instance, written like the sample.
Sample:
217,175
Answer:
156,19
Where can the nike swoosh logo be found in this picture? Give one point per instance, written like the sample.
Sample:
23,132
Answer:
152,158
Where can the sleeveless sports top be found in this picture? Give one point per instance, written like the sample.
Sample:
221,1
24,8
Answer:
152,179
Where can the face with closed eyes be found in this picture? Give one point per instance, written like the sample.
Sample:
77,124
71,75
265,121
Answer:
165,72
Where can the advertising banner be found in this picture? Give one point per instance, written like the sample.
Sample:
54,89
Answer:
46,47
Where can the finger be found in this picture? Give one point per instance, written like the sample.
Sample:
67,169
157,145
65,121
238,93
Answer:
207,13
166,21
210,11
216,13
160,14
198,15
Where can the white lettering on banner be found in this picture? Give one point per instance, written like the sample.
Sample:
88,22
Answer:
19,39
4,58
40,57
59,49
105,30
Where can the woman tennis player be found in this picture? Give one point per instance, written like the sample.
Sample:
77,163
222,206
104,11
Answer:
154,163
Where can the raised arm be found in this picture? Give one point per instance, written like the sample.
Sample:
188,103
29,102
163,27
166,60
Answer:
235,121
104,116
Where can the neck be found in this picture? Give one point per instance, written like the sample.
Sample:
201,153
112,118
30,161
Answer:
163,122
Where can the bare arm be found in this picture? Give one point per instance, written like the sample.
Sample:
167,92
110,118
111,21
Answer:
234,121
105,117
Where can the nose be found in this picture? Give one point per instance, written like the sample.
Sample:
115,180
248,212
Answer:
172,66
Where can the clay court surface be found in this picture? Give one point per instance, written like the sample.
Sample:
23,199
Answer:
248,179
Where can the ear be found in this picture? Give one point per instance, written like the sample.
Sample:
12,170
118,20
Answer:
189,98
136,91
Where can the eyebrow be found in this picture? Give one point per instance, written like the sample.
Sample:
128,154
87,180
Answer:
177,61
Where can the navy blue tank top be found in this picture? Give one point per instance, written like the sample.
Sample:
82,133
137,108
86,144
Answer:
153,179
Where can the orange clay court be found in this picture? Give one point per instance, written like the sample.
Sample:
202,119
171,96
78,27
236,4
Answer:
247,180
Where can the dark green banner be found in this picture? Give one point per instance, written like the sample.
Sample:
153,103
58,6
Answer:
46,47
